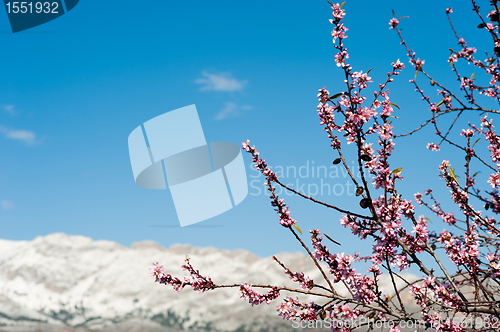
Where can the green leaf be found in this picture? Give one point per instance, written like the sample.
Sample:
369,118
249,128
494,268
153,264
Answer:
452,171
416,73
369,71
462,297
343,3
476,142
403,17
395,105
440,104
297,227
397,170
393,15
329,238
472,76
335,96
476,174
395,117
428,220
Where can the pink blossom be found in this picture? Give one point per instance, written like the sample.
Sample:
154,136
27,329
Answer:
386,131
340,58
422,233
305,282
338,12
339,31
255,298
467,132
157,271
418,198
494,179
419,64
393,23
397,65
361,79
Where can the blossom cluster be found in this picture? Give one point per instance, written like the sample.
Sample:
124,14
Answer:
461,252
429,292
291,309
304,282
254,297
494,148
280,207
341,269
447,217
194,279
327,117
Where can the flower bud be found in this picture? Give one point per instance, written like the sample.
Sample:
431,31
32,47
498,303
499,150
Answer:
337,161
366,157
365,202
482,25
359,191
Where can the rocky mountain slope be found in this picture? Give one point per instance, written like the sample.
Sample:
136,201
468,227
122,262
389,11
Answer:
68,283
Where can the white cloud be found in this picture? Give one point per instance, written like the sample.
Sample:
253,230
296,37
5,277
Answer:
6,205
219,82
231,110
25,136
9,109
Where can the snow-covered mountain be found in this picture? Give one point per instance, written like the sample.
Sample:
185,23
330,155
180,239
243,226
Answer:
68,283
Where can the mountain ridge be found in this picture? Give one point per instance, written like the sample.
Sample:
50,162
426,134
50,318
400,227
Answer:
74,283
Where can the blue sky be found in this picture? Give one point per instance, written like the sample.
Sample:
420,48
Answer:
73,89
